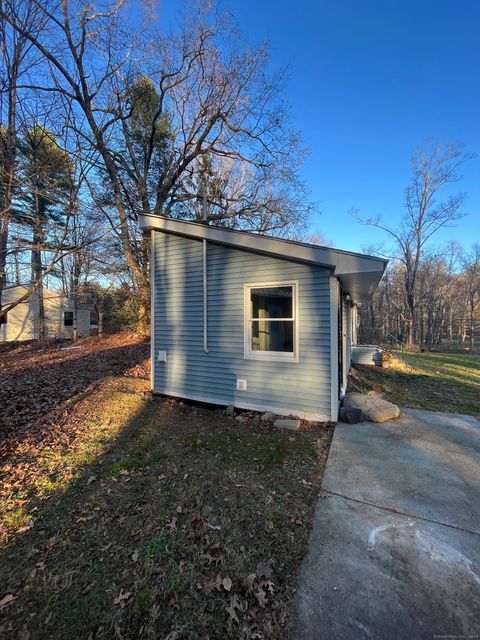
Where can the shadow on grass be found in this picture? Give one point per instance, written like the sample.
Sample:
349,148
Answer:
28,395
68,568
159,501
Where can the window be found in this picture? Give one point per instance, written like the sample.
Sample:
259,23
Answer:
4,319
271,321
68,318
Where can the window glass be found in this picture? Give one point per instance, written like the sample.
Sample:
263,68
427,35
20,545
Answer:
271,302
270,332
3,319
68,318
272,335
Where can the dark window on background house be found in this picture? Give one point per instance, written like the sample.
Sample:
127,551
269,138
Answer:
3,319
68,318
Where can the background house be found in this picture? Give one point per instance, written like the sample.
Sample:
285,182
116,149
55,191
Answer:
253,321
23,322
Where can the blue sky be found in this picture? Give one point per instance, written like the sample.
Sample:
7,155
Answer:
370,80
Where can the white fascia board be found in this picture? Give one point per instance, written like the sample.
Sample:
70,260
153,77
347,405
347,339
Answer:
247,241
346,265
343,261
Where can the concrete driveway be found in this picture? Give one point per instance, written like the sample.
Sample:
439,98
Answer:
395,548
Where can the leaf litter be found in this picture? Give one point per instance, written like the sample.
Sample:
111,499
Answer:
133,516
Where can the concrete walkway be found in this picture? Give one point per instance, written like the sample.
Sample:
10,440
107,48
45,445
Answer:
395,548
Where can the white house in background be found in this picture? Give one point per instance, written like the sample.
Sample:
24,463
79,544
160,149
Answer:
23,322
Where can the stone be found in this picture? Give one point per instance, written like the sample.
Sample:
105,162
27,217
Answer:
268,415
287,423
230,410
373,408
350,415
239,418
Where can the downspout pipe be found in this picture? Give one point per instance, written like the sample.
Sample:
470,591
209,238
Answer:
205,298
205,292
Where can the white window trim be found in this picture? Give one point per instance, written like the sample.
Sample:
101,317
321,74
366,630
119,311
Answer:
271,356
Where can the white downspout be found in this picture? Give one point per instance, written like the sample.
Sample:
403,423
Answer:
152,310
204,251
205,298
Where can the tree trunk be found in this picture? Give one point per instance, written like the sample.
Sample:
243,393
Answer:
36,264
410,320
143,317
100,317
6,204
9,160
41,313
3,251
74,293
472,318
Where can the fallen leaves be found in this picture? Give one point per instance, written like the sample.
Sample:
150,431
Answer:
180,531
6,600
37,378
40,385
172,525
261,598
214,584
227,583
218,584
197,522
26,527
51,542
232,609
88,588
122,598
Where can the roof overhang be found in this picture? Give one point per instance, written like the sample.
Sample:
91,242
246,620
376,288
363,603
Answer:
359,273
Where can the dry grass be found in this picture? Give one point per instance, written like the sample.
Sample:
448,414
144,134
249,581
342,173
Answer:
436,382
145,518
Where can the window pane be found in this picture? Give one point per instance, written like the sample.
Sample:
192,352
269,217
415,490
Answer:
272,302
68,319
272,336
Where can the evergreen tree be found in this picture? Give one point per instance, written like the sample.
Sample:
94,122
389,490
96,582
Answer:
42,201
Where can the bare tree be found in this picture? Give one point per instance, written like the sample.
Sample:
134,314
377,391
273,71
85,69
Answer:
151,118
471,274
433,171
448,294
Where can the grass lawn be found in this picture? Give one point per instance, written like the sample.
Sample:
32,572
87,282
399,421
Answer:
146,518
438,382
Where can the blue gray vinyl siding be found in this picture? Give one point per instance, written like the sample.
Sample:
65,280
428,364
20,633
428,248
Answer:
288,387
347,344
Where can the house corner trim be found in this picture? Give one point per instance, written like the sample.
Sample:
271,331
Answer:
334,349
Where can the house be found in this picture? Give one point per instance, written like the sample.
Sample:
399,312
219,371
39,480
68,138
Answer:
23,321
253,321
